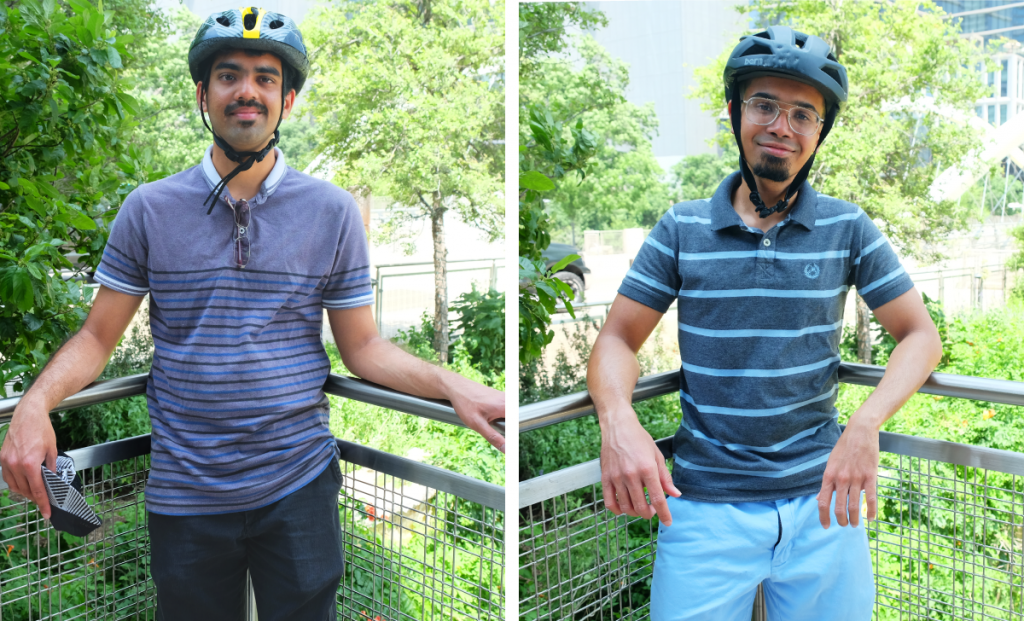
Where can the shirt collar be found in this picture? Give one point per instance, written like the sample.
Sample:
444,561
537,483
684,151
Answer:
268,186
723,215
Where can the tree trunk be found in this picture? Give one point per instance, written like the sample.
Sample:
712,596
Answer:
863,331
440,282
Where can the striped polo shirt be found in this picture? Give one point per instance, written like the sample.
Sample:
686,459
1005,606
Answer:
760,321
240,418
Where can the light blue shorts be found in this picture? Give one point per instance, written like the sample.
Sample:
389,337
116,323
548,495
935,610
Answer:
712,558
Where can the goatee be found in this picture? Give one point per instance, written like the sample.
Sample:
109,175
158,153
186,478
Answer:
771,168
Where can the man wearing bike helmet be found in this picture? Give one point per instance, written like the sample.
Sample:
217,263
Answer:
765,487
240,255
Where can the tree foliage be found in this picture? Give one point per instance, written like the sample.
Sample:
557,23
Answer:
409,103
170,131
913,84
549,149
65,166
623,187
698,176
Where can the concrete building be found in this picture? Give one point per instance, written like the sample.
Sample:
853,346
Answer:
664,41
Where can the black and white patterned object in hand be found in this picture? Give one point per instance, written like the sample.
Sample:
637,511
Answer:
68,510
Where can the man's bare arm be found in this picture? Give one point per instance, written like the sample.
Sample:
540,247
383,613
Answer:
378,360
853,464
30,440
630,460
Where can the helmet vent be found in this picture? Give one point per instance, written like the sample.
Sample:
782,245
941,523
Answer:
755,49
224,21
832,73
274,25
249,21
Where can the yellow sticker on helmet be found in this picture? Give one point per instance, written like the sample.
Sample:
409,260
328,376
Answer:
255,32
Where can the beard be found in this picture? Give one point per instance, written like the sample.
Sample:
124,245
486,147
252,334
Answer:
771,168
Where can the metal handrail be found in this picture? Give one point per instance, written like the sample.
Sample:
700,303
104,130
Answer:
473,490
338,385
547,486
577,405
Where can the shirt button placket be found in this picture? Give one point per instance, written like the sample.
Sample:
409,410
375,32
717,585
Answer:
766,258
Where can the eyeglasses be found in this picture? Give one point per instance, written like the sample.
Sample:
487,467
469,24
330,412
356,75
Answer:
761,111
243,230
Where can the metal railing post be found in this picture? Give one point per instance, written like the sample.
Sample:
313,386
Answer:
250,600
760,612
380,298
942,289
979,286
494,275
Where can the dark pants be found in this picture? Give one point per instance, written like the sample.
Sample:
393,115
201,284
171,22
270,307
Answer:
292,549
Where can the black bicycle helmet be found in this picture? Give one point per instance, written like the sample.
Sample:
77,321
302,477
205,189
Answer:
248,28
784,52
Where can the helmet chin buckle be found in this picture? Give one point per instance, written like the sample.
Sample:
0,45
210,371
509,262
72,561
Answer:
763,210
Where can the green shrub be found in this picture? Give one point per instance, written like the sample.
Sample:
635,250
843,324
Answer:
66,165
579,440
445,446
480,319
113,420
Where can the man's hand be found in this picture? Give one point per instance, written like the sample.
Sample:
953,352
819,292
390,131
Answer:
631,461
852,467
29,442
478,406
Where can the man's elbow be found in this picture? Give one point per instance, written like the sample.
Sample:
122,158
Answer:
932,345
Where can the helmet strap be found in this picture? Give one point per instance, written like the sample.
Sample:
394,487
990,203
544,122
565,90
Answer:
237,156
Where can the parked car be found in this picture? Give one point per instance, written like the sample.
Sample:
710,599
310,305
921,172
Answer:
572,274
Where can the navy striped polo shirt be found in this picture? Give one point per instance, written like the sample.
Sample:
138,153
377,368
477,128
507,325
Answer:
760,321
240,418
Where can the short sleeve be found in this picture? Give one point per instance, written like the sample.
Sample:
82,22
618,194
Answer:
876,270
123,267
348,285
653,280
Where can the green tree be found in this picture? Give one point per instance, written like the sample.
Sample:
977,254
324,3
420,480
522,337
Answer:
623,187
65,165
549,149
912,78
170,131
698,176
409,103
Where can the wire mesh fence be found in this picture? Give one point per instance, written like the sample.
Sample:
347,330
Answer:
414,553
405,291
948,543
579,561
411,552
49,575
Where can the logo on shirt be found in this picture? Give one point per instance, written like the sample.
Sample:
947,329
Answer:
811,270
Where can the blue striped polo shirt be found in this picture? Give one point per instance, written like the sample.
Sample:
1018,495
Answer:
760,321
240,418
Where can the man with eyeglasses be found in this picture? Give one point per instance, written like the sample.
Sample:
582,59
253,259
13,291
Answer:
765,487
239,256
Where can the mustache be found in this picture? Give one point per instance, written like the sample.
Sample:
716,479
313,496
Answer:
252,103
